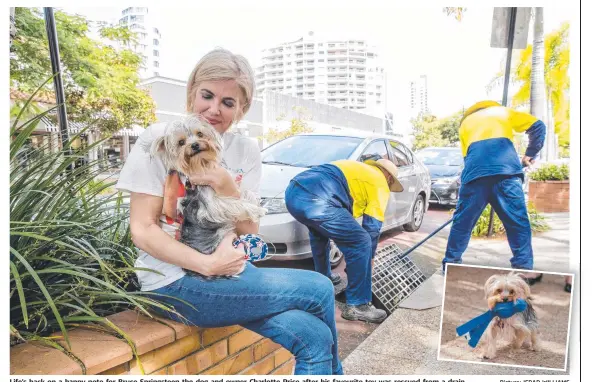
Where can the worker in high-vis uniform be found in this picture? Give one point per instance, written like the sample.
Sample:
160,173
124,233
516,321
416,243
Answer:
328,199
493,174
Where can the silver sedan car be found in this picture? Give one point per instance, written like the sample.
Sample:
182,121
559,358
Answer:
287,238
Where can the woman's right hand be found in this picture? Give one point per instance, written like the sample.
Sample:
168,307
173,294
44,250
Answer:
225,261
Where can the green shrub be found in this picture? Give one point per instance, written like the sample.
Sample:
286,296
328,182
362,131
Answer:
551,172
71,253
538,223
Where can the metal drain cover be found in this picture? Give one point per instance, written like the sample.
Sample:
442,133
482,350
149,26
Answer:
394,278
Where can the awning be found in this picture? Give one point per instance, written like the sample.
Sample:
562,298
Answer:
73,127
77,127
133,132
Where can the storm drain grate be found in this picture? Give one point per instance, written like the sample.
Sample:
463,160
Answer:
394,278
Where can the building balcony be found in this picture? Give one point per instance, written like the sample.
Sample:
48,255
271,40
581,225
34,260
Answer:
272,56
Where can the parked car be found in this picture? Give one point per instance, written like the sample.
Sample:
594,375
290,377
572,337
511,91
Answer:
287,238
445,165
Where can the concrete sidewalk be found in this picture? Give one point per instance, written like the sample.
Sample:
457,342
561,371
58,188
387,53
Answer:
406,343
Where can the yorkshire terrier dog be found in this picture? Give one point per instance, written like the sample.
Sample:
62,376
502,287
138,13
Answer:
191,146
519,327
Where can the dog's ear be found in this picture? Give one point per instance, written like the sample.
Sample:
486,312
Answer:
158,146
489,285
522,284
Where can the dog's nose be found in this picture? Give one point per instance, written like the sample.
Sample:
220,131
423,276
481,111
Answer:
196,147
505,299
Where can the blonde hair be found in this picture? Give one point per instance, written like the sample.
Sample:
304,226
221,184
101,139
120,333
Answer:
222,65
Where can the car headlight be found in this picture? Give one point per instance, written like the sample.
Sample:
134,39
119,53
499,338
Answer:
274,205
447,180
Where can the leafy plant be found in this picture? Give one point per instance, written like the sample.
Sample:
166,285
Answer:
551,172
100,78
538,223
71,253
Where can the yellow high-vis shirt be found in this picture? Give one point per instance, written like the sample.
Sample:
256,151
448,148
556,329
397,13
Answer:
367,186
486,136
493,122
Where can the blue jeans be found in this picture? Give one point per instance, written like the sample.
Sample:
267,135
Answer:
326,220
294,308
505,195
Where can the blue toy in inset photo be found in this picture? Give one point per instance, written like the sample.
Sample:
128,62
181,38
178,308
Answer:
476,326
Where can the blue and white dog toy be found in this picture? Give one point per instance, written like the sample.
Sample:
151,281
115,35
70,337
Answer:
476,326
256,249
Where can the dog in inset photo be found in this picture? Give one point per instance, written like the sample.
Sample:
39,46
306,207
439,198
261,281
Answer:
519,329
493,316
191,146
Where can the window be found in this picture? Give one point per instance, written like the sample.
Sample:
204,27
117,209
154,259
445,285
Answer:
156,30
156,74
375,150
156,64
402,155
307,151
155,42
156,53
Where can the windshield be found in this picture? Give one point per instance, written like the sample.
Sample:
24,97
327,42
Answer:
310,150
431,157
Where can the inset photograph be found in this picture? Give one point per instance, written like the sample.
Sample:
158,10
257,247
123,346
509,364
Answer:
505,317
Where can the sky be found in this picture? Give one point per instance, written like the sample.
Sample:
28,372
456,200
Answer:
455,56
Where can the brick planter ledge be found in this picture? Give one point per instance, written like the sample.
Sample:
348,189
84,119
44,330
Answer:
164,347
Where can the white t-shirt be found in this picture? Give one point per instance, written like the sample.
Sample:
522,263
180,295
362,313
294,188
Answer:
145,174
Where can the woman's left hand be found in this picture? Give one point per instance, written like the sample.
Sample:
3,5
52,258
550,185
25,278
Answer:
219,179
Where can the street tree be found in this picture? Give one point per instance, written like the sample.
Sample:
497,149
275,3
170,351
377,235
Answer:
430,131
297,125
100,77
456,12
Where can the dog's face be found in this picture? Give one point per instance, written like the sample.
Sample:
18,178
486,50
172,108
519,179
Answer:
509,287
189,146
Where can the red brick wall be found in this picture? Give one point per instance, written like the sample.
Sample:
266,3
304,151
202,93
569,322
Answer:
164,347
550,196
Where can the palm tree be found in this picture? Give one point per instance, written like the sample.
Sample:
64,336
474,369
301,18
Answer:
538,93
556,54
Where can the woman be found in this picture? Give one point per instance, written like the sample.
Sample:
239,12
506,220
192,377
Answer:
294,308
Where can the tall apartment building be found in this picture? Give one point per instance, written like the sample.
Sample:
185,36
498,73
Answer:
139,20
341,73
419,96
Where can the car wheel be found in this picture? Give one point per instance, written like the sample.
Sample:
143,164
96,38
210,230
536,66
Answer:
417,217
336,256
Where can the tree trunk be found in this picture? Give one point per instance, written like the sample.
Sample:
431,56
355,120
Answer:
538,93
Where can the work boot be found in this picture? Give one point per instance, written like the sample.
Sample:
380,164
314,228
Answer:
336,278
365,312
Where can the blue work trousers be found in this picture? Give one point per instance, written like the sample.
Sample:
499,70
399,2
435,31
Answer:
326,220
505,194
